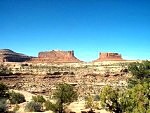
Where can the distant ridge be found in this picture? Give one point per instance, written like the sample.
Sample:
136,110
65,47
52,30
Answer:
7,55
54,56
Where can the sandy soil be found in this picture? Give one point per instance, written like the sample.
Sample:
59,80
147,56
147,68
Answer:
74,106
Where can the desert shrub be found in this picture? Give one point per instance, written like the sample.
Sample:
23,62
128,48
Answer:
140,70
136,99
90,103
16,98
4,70
3,106
96,98
3,91
64,94
110,99
16,108
38,98
33,107
50,106
85,97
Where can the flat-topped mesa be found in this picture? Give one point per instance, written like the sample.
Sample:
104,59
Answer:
7,55
109,57
55,56
56,53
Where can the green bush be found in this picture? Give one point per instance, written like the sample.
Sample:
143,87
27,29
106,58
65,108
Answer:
3,91
33,107
4,70
16,98
136,99
140,70
50,106
96,98
3,106
90,103
64,94
110,99
38,98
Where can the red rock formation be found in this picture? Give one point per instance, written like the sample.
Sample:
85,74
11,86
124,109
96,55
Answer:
109,57
55,57
7,55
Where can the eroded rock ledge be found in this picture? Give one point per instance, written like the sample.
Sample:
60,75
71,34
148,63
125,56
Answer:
55,57
109,57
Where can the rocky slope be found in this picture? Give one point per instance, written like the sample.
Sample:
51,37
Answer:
7,55
86,78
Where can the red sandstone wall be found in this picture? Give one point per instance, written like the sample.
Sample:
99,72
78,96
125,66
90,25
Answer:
52,54
55,56
109,57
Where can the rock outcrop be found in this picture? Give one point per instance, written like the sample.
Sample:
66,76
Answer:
109,57
7,55
55,57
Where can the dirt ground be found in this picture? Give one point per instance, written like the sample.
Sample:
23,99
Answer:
74,106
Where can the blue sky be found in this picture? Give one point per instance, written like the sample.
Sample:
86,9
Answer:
85,26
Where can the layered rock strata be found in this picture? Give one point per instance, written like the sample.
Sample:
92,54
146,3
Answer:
109,57
55,57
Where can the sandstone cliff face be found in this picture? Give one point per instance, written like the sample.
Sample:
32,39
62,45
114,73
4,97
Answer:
109,57
55,57
7,55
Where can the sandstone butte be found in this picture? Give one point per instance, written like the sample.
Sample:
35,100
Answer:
109,57
55,56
